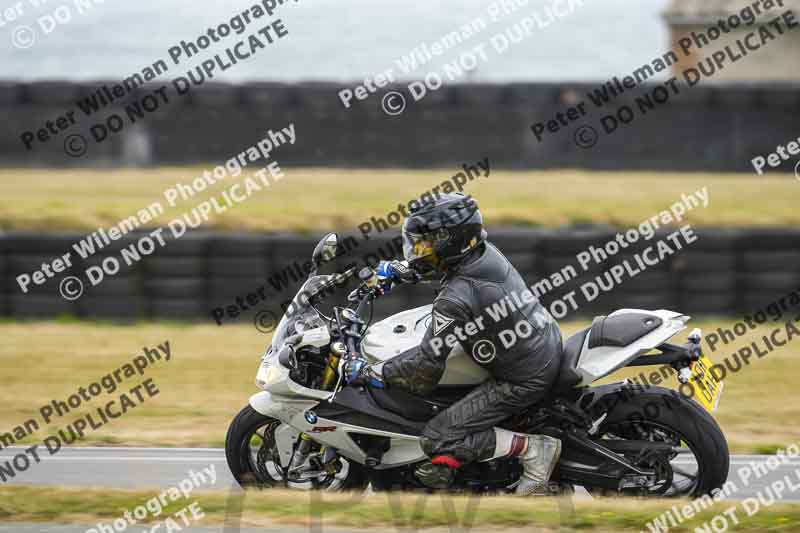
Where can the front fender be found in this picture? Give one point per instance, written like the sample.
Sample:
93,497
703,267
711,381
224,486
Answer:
288,410
262,402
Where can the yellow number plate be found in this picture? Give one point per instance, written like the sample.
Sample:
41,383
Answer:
705,387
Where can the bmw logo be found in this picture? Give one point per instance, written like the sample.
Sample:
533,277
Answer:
311,417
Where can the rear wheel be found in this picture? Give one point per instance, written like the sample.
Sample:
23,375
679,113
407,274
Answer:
251,450
700,459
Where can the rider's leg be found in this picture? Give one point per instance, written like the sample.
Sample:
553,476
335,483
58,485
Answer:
537,453
465,431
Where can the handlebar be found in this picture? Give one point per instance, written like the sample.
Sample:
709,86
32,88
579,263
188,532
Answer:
379,281
374,283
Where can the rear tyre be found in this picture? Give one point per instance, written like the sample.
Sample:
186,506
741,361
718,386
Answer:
701,461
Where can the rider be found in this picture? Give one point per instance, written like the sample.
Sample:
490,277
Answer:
481,296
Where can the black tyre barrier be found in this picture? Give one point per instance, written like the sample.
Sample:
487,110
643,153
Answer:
25,263
724,272
238,266
26,243
657,300
178,308
661,266
515,240
571,242
112,307
699,302
692,261
770,281
718,239
193,288
176,267
107,260
770,240
193,243
649,282
708,282
33,306
120,285
754,300
550,264
239,285
763,261
240,245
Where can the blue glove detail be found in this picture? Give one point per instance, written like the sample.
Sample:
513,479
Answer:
358,372
354,369
376,383
397,271
385,269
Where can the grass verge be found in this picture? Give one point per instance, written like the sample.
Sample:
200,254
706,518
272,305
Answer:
323,199
382,511
210,377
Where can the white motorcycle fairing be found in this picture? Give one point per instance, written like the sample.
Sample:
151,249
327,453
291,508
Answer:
294,405
596,363
297,414
404,331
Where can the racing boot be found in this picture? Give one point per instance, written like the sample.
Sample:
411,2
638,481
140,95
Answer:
436,474
537,453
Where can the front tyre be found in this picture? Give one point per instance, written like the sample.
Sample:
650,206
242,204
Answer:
252,454
700,461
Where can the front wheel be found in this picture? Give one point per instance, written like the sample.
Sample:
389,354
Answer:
253,457
700,459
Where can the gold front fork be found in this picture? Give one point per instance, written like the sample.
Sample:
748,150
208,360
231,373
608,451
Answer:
329,374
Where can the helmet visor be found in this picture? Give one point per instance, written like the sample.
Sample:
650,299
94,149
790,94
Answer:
418,249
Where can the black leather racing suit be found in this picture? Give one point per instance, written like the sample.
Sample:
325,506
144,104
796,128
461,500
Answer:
480,299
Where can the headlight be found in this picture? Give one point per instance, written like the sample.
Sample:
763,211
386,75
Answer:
286,357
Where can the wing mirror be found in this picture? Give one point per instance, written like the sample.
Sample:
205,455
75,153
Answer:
325,252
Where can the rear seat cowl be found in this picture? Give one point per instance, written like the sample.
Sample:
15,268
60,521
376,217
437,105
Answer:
621,330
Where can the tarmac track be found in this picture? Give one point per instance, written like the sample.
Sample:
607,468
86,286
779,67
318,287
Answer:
148,468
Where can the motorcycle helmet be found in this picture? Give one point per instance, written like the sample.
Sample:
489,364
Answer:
439,233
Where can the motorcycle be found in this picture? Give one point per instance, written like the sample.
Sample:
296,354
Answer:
308,429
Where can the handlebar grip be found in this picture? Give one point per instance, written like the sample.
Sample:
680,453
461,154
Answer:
399,271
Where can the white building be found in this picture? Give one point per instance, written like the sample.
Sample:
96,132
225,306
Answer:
779,60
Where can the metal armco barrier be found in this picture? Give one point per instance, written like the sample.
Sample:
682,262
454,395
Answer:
725,271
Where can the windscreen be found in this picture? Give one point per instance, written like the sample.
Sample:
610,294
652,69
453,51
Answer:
299,311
